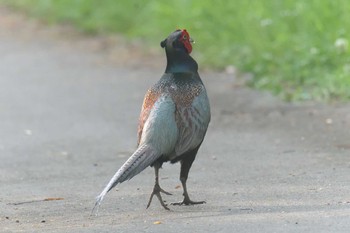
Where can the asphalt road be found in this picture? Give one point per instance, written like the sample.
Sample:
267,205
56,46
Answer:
68,120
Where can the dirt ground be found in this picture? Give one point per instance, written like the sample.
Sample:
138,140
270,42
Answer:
69,108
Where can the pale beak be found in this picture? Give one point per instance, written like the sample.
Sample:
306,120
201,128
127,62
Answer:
192,41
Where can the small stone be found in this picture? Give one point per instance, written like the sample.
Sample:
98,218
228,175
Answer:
64,153
230,69
28,132
329,121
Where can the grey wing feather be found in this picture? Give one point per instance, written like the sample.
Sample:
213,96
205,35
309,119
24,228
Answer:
193,124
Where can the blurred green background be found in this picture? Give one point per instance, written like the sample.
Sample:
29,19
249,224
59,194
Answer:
297,49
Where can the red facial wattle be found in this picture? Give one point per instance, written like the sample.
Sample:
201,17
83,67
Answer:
185,39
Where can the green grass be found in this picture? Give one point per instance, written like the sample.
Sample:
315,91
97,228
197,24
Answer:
289,45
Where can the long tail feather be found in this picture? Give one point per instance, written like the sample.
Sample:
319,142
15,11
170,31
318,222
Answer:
143,157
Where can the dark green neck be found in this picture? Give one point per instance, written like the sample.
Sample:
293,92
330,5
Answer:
179,61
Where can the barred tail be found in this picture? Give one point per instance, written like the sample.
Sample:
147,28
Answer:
143,157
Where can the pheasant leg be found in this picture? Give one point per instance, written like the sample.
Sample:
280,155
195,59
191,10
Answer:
185,168
157,189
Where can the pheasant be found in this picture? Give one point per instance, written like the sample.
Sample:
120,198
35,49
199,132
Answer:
173,122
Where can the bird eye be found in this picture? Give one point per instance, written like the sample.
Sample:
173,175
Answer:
184,37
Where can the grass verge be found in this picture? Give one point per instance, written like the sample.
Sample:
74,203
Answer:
297,49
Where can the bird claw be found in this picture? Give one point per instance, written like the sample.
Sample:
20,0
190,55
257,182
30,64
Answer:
188,202
156,191
165,192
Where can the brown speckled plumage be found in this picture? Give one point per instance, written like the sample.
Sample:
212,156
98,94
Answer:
182,87
148,102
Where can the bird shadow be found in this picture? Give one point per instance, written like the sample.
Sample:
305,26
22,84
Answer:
210,211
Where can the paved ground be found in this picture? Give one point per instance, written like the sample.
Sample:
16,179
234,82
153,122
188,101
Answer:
68,118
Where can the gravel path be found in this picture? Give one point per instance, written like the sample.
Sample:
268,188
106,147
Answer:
68,118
